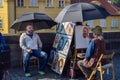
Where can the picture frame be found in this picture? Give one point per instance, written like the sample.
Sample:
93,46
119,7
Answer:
58,63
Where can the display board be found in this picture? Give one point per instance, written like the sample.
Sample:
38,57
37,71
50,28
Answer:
61,47
81,37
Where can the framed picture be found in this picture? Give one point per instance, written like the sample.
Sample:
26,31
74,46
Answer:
81,37
58,63
66,47
61,28
53,53
56,41
69,27
66,28
62,42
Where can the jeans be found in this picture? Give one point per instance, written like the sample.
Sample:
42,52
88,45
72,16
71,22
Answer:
37,53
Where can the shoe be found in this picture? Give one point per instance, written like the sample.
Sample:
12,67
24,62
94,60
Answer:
27,74
41,72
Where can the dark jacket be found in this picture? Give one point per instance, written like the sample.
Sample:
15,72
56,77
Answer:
99,49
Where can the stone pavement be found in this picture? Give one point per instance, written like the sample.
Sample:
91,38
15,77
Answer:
18,74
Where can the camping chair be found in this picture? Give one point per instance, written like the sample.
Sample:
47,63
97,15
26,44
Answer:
95,69
107,66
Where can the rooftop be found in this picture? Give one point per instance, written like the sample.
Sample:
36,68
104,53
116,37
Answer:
112,9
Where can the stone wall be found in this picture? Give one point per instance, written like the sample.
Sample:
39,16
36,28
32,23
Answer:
16,54
112,44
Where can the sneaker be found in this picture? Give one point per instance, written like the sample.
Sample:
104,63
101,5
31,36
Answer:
41,72
27,74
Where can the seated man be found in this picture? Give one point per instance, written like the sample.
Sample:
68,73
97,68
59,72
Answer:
95,49
31,46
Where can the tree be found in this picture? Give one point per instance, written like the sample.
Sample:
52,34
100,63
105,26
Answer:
116,2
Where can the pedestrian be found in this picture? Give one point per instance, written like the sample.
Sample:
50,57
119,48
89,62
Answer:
94,50
31,45
4,58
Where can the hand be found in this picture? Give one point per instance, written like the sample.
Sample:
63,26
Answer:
85,60
29,50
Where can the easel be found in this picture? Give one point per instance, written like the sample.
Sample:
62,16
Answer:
73,62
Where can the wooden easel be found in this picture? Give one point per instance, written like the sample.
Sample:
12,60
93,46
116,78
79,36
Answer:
74,58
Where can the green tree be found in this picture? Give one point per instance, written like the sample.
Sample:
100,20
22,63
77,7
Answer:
116,2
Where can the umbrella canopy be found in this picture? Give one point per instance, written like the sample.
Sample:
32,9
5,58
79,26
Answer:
38,20
79,12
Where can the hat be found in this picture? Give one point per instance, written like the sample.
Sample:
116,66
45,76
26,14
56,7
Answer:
97,30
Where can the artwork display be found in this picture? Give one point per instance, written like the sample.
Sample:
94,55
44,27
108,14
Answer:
58,63
81,37
61,46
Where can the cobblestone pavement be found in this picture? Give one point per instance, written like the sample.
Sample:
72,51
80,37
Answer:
18,74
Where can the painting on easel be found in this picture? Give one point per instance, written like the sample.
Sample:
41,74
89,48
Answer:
81,37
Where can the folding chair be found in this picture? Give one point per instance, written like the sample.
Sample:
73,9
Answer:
107,66
95,69
33,61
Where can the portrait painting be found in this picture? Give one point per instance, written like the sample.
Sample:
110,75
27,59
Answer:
60,28
56,41
65,28
66,47
58,63
69,27
62,42
51,57
81,37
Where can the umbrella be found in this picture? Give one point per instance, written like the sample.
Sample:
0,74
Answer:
38,20
79,12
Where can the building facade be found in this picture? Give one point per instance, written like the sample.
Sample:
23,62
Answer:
12,9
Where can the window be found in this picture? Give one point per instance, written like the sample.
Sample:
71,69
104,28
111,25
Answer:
61,3
90,23
114,23
33,3
0,3
102,22
20,3
0,23
49,3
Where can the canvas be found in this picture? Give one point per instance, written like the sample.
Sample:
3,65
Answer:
81,37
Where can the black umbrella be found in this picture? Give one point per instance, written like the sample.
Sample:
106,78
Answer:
38,20
79,12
